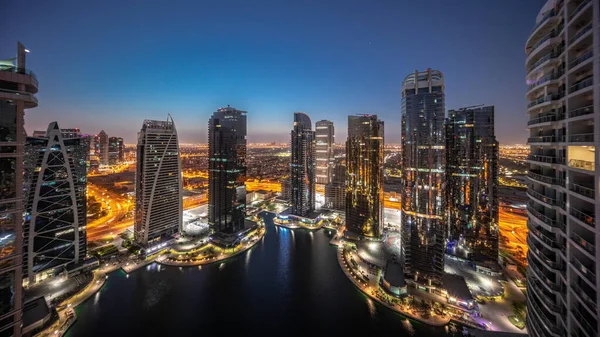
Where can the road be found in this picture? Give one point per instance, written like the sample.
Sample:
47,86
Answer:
513,226
117,207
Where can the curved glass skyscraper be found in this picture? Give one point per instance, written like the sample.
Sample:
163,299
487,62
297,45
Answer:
227,170
563,77
302,165
423,164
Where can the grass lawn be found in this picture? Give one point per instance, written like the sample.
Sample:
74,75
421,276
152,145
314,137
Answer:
517,321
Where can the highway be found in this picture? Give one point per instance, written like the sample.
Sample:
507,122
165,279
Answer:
117,207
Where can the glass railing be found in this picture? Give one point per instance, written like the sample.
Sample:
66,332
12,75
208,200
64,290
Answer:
546,78
542,60
545,159
582,84
539,196
581,138
585,56
552,34
584,296
19,71
580,33
543,119
545,139
582,111
27,96
542,178
583,322
582,216
591,276
544,99
582,164
579,8
544,19
583,243
585,191
551,263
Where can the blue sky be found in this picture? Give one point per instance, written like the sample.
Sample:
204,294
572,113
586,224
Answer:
111,64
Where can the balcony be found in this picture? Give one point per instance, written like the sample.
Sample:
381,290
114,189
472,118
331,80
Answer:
586,110
589,275
579,8
545,179
583,243
550,263
541,314
587,327
589,81
545,58
586,56
580,33
582,190
582,138
553,286
544,218
546,159
585,298
545,119
543,80
21,71
588,219
582,164
545,139
27,97
540,197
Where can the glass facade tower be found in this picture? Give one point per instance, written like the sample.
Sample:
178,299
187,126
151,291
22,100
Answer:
423,161
302,165
472,183
227,170
364,177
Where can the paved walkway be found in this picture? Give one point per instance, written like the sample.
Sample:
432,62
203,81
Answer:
369,291
222,257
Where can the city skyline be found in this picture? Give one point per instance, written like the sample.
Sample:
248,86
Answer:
273,75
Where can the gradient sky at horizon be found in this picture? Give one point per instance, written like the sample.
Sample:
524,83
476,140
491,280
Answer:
111,64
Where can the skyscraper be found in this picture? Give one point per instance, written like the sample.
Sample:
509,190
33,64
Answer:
472,183
17,88
103,147
55,202
227,170
115,150
335,190
302,165
324,150
423,161
563,74
364,177
158,204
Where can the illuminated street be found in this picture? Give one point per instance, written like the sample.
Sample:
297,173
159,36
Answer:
115,220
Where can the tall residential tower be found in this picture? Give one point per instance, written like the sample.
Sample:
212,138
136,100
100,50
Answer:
563,74
364,177
423,161
227,170
103,148
55,202
17,88
158,204
302,165
472,184
325,139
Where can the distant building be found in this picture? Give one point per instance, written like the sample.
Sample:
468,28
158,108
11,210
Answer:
472,183
302,165
158,204
325,138
115,150
103,148
55,204
364,177
23,86
227,170
335,190
423,161
286,189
